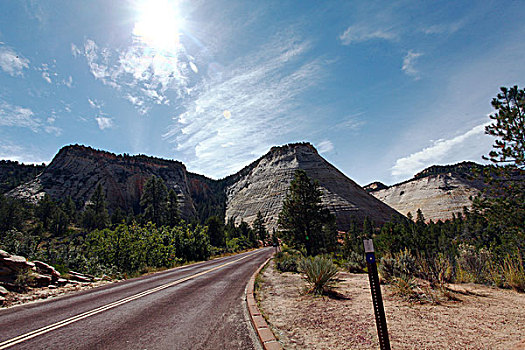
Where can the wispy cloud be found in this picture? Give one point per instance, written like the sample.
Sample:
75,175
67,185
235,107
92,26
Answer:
11,62
16,116
325,146
243,110
409,63
462,147
352,122
363,32
444,28
103,121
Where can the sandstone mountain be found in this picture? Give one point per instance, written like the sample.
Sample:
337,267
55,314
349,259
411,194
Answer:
439,191
261,186
77,170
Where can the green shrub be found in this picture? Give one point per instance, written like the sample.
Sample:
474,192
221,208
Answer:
355,263
473,264
514,273
319,273
286,262
436,269
401,264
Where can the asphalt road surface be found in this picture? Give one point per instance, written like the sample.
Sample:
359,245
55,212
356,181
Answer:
199,306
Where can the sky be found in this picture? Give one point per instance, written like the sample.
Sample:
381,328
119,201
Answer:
382,89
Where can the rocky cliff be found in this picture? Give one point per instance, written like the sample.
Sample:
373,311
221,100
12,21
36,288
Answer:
13,174
77,170
262,186
439,191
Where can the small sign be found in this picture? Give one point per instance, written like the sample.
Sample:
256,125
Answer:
369,245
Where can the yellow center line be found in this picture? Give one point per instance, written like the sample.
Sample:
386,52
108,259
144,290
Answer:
63,323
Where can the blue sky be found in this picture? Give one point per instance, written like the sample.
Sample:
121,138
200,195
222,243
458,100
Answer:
382,89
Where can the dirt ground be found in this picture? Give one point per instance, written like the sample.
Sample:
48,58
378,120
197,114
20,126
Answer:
484,318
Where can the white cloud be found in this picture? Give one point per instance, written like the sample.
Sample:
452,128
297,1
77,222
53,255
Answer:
351,122
14,152
325,146
139,68
68,82
11,62
46,77
104,122
53,130
363,32
17,116
259,92
409,63
75,51
444,28
469,145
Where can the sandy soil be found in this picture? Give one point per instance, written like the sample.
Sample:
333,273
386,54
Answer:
485,318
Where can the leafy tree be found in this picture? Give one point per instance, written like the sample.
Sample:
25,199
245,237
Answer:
303,219
260,228
154,201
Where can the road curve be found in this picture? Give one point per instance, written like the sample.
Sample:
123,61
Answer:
198,306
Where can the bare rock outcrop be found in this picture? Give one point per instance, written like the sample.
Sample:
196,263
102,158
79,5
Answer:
262,186
439,191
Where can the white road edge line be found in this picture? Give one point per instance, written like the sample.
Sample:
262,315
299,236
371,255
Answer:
21,338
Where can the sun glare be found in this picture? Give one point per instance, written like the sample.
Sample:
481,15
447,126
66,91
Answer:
158,24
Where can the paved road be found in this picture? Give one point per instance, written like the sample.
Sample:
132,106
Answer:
198,306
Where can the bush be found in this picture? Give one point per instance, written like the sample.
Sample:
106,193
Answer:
514,273
319,273
473,264
401,264
436,269
356,262
287,262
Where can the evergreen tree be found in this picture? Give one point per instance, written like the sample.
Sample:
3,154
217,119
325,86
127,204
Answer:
154,201
302,219
96,215
216,231
503,201
172,209
260,228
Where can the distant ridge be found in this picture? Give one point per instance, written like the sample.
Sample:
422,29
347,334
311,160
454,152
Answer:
260,186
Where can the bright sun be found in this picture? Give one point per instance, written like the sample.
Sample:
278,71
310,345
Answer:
158,24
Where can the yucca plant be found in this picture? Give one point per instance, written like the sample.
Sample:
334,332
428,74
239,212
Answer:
319,273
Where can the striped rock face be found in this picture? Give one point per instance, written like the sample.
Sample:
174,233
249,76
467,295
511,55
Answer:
262,186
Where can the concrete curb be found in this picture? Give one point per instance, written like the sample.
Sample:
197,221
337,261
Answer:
264,332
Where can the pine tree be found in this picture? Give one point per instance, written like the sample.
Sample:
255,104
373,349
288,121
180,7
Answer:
216,231
172,209
302,219
260,228
154,201
96,215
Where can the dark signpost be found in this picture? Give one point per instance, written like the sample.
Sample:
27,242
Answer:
375,288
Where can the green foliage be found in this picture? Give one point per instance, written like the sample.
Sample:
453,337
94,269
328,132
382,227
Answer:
514,273
508,127
260,228
172,209
13,174
319,273
288,260
96,215
154,201
303,221
401,264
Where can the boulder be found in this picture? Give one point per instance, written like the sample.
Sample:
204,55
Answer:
3,291
45,269
41,280
4,254
16,262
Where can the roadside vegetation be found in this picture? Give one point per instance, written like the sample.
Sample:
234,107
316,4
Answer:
91,240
